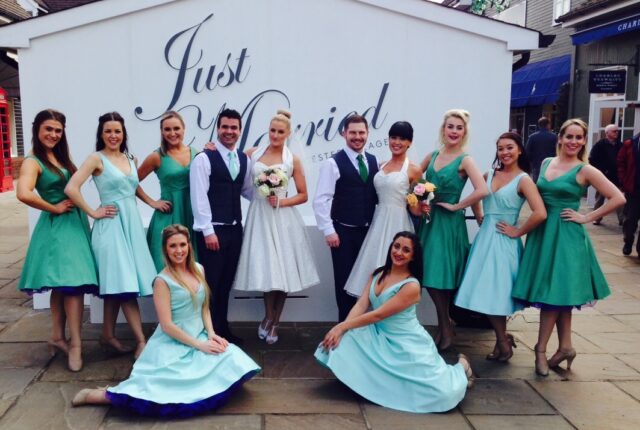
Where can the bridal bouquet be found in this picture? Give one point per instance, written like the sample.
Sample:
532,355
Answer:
270,181
421,191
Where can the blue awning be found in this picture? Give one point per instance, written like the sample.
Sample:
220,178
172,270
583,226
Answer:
539,83
607,30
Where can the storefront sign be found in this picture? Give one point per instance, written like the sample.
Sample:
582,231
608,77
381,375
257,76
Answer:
607,81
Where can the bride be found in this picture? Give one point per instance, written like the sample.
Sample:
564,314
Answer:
276,255
392,184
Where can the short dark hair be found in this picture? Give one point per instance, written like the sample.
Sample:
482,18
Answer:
229,113
355,119
544,122
402,129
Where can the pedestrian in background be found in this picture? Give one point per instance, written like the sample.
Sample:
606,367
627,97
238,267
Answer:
629,176
541,145
603,157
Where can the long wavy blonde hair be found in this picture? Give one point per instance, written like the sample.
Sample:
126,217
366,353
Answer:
582,155
173,230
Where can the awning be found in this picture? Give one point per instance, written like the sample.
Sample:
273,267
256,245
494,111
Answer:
539,83
607,30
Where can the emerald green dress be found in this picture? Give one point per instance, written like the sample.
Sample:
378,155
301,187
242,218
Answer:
59,255
444,238
174,187
559,267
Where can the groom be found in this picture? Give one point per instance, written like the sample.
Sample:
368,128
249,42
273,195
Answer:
217,180
344,204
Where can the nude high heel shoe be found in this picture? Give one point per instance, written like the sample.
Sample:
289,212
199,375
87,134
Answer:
562,355
57,345
74,360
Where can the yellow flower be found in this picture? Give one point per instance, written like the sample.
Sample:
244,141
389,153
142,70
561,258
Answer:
429,187
412,200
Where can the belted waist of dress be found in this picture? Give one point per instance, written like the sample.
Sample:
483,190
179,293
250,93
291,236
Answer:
501,213
106,202
350,225
553,206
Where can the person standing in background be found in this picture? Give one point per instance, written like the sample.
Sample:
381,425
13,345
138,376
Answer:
603,157
541,145
629,175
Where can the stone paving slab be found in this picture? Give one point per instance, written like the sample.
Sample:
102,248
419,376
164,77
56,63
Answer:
14,381
13,309
293,396
614,343
528,422
293,364
380,418
521,366
631,360
629,278
619,305
632,321
504,397
23,355
315,422
592,405
120,420
630,387
585,324
98,366
10,291
597,367
47,405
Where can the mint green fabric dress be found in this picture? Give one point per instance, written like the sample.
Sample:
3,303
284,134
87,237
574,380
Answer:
125,266
174,187
59,255
171,378
444,238
395,363
559,266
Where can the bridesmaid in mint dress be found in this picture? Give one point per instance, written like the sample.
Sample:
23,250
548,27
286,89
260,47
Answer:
171,164
559,269
444,238
495,255
125,266
186,368
384,354
59,258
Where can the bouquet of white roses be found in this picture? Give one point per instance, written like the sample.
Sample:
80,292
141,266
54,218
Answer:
270,181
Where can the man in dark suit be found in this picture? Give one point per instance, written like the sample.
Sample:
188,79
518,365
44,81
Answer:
603,157
541,145
218,179
344,204
629,175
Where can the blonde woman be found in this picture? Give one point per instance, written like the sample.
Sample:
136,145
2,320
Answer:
444,238
559,269
276,255
186,367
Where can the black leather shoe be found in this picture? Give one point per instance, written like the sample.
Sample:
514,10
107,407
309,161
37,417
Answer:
626,249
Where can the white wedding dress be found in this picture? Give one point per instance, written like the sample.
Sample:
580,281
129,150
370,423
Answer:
390,217
275,249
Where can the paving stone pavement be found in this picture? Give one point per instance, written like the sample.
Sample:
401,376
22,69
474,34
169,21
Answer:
602,391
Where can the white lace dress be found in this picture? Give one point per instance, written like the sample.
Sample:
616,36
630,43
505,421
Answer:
390,217
276,254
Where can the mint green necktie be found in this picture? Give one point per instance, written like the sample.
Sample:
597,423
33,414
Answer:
362,168
234,168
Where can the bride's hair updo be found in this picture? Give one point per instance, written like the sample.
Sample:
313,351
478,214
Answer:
284,116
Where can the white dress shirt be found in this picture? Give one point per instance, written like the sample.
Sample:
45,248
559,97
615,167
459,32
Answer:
199,187
326,188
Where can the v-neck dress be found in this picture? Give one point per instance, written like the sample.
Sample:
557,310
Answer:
444,239
174,188
173,379
394,362
559,266
59,255
494,258
125,266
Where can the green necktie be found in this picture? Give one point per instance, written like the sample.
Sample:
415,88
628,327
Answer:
362,168
234,169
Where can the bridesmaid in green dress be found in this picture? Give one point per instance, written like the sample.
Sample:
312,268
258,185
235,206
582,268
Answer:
444,238
171,164
59,258
559,269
